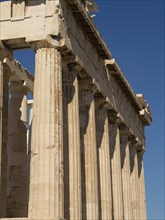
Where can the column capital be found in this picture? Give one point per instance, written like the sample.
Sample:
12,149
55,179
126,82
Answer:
88,84
71,66
18,87
136,143
49,42
141,151
124,130
115,118
102,102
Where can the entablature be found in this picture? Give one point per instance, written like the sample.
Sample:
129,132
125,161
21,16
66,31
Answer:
123,83
19,73
84,19
90,30
83,41
15,70
28,21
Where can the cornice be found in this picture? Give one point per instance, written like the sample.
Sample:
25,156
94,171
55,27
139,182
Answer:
82,16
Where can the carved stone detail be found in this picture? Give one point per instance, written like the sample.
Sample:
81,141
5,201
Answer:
83,156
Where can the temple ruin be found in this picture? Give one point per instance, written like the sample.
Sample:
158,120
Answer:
75,150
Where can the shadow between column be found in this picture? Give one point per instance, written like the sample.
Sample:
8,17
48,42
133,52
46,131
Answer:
123,145
3,170
132,158
112,145
84,105
99,138
140,161
17,204
68,94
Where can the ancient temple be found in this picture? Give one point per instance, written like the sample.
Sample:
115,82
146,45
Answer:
75,151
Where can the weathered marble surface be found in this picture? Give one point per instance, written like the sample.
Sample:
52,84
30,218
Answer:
83,157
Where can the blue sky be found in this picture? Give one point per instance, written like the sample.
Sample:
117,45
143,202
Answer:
134,32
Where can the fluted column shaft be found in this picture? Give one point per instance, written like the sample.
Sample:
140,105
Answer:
89,153
102,128
134,182
72,154
125,168
4,79
116,168
17,152
142,196
46,186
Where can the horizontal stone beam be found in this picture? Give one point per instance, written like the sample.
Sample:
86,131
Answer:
88,26
136,99
19,73
116,71
33,24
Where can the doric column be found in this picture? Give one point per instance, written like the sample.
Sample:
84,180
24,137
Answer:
4,79
46,179
134,181
125,168
142,196
72,154
17,152
116,167
104,163
89,151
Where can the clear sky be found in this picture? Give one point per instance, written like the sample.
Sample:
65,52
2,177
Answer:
134,32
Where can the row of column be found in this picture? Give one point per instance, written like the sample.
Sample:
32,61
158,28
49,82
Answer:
83,163
13,146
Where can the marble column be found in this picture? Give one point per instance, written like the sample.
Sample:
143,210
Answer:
125,168
116,167
4,79
142,210
89,151
17,152
72,154
134,181
104,165
46,178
